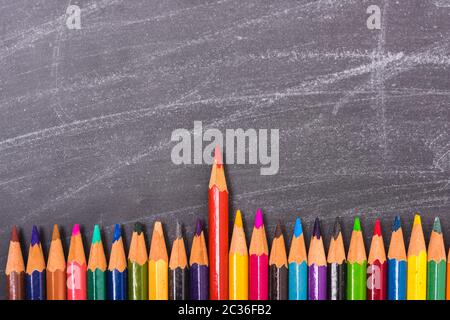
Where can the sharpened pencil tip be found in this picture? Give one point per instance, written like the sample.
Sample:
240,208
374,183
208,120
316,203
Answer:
316,231
377,228
357,225
55,233
96,237
298,230
437,225
336,228
179,231
278,232
75,230
218,155
397,224
117,232
417,220
158,227
35,236
138,228
199,227
238,219
259,219
14,234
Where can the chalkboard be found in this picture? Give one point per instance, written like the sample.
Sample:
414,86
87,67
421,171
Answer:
87,112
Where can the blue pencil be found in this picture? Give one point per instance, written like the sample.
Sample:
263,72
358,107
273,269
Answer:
117,269
298,267
397,263
35,273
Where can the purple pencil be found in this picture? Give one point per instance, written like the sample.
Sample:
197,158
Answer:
199,270
317,266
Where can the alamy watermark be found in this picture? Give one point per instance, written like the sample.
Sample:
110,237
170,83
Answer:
251,146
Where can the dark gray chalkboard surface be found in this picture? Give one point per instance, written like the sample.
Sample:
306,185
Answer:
87,115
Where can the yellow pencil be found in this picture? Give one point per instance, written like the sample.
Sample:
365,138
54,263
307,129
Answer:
158,272
417,263
238,262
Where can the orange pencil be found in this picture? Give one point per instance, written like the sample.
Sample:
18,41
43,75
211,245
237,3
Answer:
56,269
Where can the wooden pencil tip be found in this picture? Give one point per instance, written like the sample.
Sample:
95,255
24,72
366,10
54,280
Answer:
218,155
417,220
96,236
117,232
278,232
259,219
55,233
14,234
199,227
377,228
138,228
158,227
397,224
75,230
357,225
336,228
316,231
437,225
179,231
238,219
298,230
35,236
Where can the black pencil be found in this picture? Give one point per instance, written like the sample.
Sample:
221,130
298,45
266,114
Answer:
178,269
336,265
278,272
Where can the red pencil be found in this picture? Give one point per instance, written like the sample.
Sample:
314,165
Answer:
218,230
377,267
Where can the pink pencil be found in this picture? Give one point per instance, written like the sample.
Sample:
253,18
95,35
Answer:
259,261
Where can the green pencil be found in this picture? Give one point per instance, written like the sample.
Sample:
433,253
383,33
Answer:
437,265
96,273
138,266
356,265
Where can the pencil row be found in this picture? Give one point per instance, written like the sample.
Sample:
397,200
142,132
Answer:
253,274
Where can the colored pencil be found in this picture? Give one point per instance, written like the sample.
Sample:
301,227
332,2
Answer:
158,264
317,266
356,265
337,265
298,265
448,275
138,265
178,269
76,267
238,264
96,271
56,269
437,264
199,271
417,263
218,230
278,268
397,263
35,272
15,269
377,266
117,269
259,261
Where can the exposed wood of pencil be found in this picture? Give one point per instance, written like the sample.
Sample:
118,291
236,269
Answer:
357,250
158,249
